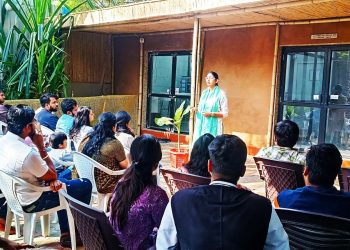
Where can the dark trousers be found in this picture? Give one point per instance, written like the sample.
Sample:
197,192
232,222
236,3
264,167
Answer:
79,189
3,208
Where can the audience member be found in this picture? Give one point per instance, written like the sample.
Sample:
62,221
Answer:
286,136
49,104
61,158
82,125
65,122
3,108
36,167
221,215
323,163
102,146
198,163
125,133
138,204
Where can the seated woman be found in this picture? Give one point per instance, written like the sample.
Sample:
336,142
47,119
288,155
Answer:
103,147
137,204
198,163
81,125
124,133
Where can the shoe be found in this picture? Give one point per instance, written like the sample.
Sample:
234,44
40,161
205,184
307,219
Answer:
2,228
65,240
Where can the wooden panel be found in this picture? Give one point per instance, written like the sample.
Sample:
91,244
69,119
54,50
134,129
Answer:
89,57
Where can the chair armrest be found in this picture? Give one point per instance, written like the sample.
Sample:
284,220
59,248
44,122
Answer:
109,171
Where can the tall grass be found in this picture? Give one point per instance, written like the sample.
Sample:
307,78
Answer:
31,50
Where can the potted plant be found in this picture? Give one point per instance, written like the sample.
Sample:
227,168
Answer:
178,156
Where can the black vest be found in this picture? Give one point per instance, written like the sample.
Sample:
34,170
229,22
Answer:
220,217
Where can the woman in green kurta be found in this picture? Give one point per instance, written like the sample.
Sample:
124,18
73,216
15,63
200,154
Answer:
211,109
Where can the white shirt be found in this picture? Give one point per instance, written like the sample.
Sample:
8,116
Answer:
277,238
23,161
126,140
83,132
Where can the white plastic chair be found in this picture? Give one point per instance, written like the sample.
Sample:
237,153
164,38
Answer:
8,185
3,128
85,167
46,133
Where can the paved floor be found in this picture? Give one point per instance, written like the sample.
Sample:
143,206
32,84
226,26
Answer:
251,180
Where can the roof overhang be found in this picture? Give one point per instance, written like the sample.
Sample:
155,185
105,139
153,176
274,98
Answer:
171,15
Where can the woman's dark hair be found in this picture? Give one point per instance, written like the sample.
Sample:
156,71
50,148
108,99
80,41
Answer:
123,118
198,163
146,154
81,119
216,76
103,131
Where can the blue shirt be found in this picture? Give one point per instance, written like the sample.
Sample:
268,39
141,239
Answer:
64,124
316,199
47,119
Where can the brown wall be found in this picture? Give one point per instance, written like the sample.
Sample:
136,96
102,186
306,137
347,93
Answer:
243,58
89,62
301,34
126,65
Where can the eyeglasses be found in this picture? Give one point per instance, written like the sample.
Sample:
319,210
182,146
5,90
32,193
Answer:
209,78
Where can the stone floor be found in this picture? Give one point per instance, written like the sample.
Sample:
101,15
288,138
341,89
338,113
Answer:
251,180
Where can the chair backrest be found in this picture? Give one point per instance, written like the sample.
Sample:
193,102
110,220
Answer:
94,228
279,176
8,188
85,167
178,180
46,134
308,230
344,179
3,128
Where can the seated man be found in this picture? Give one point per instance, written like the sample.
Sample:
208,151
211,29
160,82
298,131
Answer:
69,109
36,167
323,163
221,215
286,136
49,104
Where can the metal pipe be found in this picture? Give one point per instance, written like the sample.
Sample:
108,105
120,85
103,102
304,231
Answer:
273,89
139,109
196,30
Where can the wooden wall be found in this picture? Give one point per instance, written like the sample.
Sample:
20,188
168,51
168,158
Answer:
89,62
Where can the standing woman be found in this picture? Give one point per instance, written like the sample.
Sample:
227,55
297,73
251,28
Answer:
125,133
138,204
211,109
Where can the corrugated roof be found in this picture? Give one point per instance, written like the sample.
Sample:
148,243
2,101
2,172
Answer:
169,15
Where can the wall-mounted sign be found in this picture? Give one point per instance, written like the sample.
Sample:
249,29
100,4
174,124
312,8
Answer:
324,36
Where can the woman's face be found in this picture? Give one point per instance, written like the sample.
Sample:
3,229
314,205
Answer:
91,116
211,81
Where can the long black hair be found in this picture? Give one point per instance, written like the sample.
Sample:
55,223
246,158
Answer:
145,153
103,131
123,118
198,163
81,119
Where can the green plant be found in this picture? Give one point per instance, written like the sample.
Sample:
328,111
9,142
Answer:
176,121
32,55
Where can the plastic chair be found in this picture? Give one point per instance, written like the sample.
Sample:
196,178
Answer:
279,175
85,167
93,225
176,180
307,230
8,185
3,128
